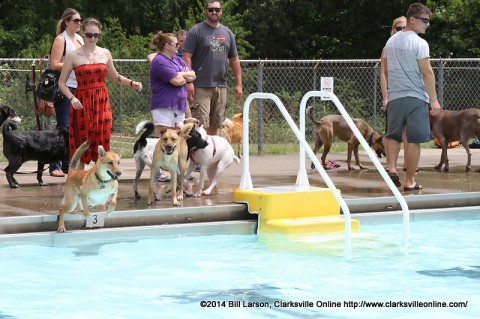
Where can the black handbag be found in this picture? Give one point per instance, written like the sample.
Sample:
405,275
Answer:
47,88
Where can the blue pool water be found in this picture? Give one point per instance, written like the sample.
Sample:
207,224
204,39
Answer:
170,277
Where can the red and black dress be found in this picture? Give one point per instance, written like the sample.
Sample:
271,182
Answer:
94,121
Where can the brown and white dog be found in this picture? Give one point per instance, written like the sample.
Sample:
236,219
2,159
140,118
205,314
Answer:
170,153
91,187
331,125
449,126
232,131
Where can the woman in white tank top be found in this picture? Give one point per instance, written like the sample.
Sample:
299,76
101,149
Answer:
66,40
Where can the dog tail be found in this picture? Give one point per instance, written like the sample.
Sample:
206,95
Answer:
8,125
149,127
309,112
78,154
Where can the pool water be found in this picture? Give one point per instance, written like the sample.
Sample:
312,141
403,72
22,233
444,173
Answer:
249,276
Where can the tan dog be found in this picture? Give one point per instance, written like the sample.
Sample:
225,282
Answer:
331,125
93,187
450,126
232,131
170,153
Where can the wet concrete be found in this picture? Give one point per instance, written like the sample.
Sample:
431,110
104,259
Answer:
32,199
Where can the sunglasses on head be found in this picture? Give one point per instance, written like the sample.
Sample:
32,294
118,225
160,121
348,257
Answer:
214,9
424,20
75,20
92,35
399,28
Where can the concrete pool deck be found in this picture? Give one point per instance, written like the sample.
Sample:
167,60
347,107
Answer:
269,170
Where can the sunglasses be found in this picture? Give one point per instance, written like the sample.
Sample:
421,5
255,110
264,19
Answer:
214,9
399,28
174,44
424,20
93,35
75,20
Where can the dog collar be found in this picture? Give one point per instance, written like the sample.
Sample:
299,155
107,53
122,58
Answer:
370,140
102,181
195,149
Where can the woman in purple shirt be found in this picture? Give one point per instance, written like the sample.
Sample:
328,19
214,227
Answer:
168,76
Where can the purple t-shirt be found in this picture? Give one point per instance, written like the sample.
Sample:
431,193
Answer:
163,93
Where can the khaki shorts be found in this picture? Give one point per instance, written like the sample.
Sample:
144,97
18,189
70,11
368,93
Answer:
209,106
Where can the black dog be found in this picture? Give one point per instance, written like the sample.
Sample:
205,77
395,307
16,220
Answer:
43,146
8,113
145,145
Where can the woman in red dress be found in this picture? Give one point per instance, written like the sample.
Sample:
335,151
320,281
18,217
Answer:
90,114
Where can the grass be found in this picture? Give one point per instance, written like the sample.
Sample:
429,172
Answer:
124,144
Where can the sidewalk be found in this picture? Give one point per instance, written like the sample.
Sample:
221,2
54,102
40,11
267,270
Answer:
269,170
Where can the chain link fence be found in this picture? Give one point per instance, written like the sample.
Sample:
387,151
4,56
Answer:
356,84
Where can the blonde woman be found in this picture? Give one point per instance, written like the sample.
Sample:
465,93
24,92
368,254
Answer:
67,40
398,25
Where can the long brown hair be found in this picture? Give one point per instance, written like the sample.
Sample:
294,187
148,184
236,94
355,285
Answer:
61,24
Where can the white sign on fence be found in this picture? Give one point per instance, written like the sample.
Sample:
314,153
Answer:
327,86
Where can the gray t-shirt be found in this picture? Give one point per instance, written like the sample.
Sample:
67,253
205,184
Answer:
402,51
210,48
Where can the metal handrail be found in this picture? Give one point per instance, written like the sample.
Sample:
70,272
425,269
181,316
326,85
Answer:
246,180
302,179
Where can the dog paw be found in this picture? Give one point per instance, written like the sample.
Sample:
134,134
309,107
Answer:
197,195
176,203
206,192
61,230
137,196
180,198
14,186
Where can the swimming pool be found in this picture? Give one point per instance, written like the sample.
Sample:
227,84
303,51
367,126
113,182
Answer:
250,276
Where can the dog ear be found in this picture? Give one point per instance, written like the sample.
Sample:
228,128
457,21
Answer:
101,151
185,130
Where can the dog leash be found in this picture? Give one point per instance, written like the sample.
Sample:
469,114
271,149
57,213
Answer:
32,172
370,140
195,149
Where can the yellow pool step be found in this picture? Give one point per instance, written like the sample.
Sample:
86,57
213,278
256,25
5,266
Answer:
285,210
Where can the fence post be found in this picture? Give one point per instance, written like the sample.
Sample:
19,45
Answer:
260,107
375,94
120,102
440,82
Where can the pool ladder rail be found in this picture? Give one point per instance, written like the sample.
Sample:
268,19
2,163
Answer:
301,208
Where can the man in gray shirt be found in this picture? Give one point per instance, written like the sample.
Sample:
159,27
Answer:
208,48
411,90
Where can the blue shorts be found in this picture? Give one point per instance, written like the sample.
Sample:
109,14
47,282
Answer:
411,113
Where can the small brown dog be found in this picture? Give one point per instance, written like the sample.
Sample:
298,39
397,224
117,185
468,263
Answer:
331,125
170,153
450,126
232,131
92,187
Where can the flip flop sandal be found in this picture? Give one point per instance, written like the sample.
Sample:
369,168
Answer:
57,173
395,179
414,188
